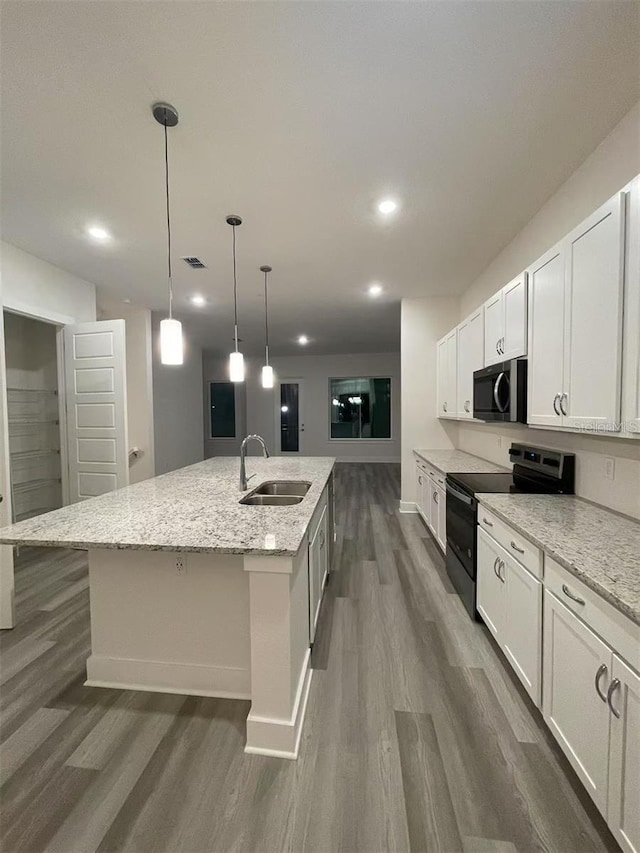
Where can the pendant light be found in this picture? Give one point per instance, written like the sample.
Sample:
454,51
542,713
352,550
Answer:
267,370
171,348
236,359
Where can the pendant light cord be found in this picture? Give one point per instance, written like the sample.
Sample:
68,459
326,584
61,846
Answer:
266,319
235,290
166,181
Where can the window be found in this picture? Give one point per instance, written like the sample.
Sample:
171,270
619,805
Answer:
223,409
360,408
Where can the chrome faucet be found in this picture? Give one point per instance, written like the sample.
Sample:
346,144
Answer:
243,453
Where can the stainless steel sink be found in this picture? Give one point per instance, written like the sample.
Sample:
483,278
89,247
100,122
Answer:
277,493
283,487
271,500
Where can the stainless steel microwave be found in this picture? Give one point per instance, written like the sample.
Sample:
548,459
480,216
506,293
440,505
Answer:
500,392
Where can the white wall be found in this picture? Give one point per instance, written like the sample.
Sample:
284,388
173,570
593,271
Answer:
315,372
423,323
138,341
177,406
36,288
612,165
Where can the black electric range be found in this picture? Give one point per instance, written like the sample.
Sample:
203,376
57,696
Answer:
535,469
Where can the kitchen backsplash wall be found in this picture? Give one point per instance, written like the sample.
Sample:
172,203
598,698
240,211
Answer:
621,494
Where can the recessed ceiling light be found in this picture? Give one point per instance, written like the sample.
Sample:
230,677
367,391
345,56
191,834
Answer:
98,233
197,299
303,339
375,290
388,205
127,301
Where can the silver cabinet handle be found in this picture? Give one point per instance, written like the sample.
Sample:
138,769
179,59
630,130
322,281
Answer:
495,567
500,568
444,406
498,346
515,547
571,595
602,669
563,397
502,346
555,406
435,497
420,479
487,522
612,689
321,539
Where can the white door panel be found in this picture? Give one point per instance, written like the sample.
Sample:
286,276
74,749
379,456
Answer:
96,393
593,319
624,762
546,332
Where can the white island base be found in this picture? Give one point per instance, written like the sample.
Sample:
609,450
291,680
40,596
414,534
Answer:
206,624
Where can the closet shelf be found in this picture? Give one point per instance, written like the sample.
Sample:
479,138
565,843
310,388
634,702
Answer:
45,391
32,485
33,454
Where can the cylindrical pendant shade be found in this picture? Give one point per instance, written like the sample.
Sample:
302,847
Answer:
267,376
236,367
171,350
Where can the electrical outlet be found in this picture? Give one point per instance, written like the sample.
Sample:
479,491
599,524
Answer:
180,565
610,468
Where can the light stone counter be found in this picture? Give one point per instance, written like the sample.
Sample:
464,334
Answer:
458,462
194,509
599,547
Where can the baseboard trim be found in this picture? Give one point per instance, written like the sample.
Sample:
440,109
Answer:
408,506
163,677
280,738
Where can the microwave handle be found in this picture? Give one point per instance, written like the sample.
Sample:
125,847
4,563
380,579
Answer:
495,392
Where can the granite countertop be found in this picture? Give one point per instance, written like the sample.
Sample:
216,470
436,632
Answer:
458,462
599,547
193,509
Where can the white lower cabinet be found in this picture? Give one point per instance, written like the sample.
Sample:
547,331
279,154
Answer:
624,758
318,568
592,706
431,502
509,599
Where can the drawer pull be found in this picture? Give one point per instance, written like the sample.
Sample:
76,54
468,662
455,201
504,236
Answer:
612,689
515,547
487,522
495,567
602,669
500,567
570,595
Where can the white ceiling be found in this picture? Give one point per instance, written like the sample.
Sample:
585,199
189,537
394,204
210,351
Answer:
299,117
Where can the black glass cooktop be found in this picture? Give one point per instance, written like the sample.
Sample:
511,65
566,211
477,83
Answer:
476,483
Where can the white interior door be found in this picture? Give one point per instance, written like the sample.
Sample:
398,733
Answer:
7,597
96,394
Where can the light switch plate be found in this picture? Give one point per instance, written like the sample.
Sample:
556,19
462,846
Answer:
610,468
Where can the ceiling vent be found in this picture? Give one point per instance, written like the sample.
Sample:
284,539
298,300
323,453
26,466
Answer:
195,263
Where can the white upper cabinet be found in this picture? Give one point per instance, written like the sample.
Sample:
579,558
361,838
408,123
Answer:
505,322
447,375
593,319
546,345
631,334
470,358
575,326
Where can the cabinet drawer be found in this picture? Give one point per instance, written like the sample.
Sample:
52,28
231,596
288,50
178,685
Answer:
422,465
515,545
613,627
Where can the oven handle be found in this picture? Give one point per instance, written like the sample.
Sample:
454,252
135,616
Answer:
495,393
459,495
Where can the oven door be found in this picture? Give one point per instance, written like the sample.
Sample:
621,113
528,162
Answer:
492,393
461,527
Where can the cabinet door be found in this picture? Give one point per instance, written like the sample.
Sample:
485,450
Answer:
546,330
452,373
317,561
593,319
442,359
623,815
420,477
522,640
630,337
432,497
441,501
576,673
493,329
470,358
514,301
490,586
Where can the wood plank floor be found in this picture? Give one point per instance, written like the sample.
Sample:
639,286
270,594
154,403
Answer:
417,736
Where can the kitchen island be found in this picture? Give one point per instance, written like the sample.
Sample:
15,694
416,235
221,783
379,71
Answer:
194,592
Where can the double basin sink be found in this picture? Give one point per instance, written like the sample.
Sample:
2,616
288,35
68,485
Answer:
277,493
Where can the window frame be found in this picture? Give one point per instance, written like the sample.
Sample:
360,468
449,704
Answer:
213,437
391,415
